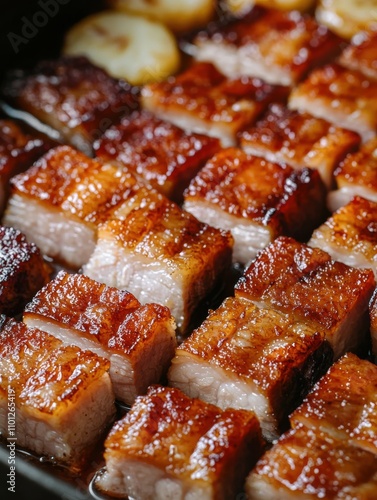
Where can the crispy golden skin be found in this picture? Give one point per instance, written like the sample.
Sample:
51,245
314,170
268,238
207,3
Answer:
299,139
307,464
157,151
270,352
22,271
343,96
350,234
211,447
342,404
203,94
287,41
361,54
275,196
359,168
73,96
83,188
294,278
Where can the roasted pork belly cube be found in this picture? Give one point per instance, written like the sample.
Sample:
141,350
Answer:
18,150
356,175
139,341
299,139
279,47
64,401
342,96
162,254
361,54
157,151
343,404
23,271
350,234
373,324
75,98
306,465
60,201
251,358
203,100
171,446
256,200
294,278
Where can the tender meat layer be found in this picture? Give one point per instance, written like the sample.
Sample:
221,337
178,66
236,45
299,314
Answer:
251,358
63,395
342,96
256,199
356,175
279,47
60,201
350,234
201,99
181,448
307,464
294,278
161,254
73,96
157,151
138,340
299,139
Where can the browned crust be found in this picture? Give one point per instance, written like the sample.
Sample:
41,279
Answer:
85,99
157,151
69,181
170,418
295,278
290,40
31,359
270,194
361,54
22,271
359,168
204,92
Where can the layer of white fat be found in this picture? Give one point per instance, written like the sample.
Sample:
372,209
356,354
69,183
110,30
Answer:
221,129
259,488
56,235
66,434
199,379
149,279
121,370
353,121
138,480
341,197
246,60
249,237
352,257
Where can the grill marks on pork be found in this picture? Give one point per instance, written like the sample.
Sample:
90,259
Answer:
76,98
181,447
138,340
256,200
342,96
161,253
251,358
279,47
60,201
350,234
299,139
294,278
64,398
356,175
203,100
157,151
23,271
